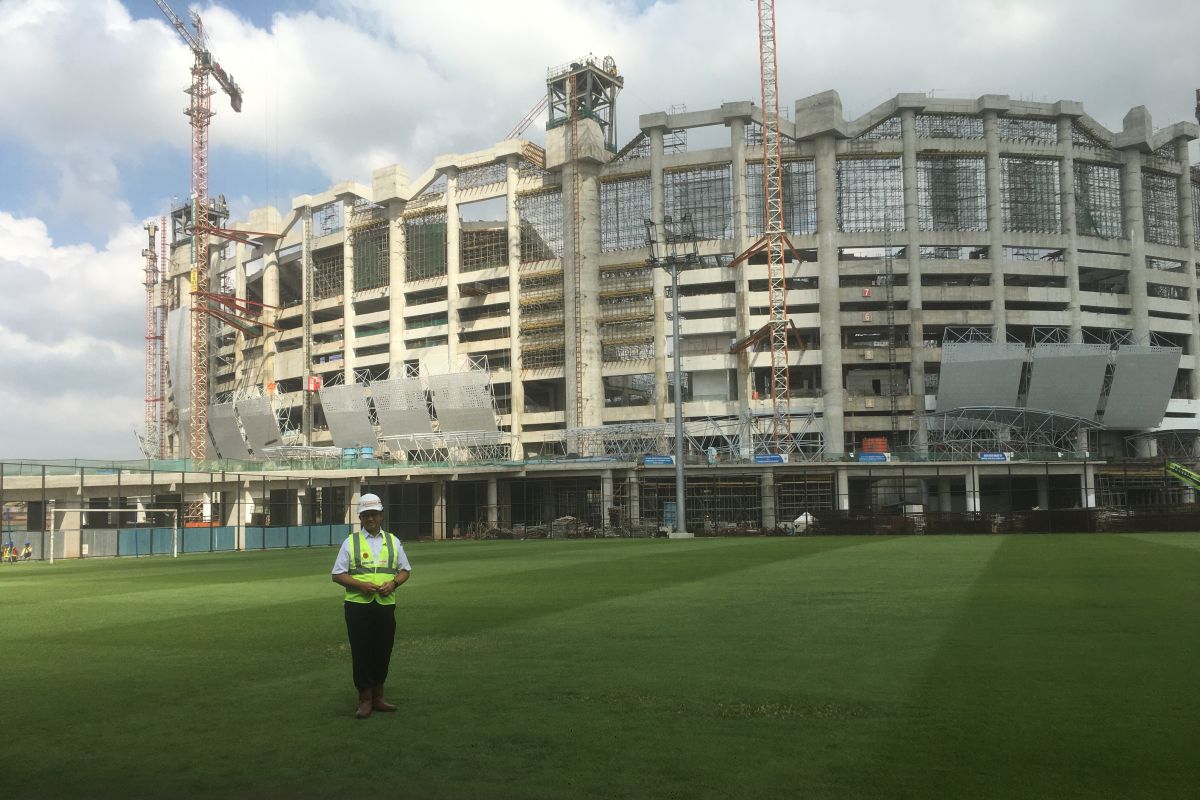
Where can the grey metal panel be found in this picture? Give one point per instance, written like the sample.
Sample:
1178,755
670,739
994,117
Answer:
258,418
1142,383
226,435
179,356
1068,378
464,401
348,416
980,374
401,408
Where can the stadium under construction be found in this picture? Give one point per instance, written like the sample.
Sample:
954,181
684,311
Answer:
991,309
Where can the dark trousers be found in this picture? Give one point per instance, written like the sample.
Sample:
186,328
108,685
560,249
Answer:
372,631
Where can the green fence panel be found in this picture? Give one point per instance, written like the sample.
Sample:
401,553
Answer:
297,536
255,538
276,537
196,540
224,538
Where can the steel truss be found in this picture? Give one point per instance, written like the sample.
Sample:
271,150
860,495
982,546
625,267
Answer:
719,439
972,430
463,448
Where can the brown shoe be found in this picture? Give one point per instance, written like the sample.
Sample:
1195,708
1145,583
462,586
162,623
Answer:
377,701
364,704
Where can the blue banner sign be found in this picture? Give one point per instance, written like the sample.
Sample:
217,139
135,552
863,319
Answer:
770,458
874,458
659,461
993,456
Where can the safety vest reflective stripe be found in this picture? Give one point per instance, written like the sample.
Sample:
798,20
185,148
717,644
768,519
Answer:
356,553
373,569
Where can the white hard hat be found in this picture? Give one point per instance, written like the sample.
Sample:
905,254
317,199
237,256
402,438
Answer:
369,502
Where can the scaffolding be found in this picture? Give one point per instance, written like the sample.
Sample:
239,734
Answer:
948,126
488,174
951,193
799,197
627,313
888,129
1029,195
372,258
1098,201
624,207
966,432
327,277
542,324
541,217
1160,208
1082,137
705,195
482,245
425,245
1196,211
867,189
328,219
1036,131
637,147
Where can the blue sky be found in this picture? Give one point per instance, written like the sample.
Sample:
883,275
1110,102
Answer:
93,140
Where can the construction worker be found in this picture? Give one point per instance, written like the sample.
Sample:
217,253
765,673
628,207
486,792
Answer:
371,565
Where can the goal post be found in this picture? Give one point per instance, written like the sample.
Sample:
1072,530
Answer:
135,512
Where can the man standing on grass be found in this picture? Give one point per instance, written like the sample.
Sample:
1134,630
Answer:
371,565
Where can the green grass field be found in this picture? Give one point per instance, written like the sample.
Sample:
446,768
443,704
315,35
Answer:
923,667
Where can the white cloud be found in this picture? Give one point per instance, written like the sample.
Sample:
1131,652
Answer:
71,340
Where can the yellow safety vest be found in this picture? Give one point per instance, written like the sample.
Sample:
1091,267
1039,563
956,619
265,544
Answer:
369,569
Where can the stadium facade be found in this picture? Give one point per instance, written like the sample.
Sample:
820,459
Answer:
970,279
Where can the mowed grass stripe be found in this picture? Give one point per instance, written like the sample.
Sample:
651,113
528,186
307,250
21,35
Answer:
1071,673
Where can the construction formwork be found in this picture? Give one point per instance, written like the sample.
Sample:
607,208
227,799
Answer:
1029,190
799,197
951,193
870,194
624,209
1098,201
1160,207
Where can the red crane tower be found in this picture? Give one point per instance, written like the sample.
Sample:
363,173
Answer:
200,112
774,240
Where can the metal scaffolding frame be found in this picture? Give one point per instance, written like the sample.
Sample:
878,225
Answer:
486,175
1029,195
328,218
890,128
372,257
799,197
966,432
1098,201
951,193
328,276
1019,129
624,204
1195,210
627,313
704,194
868,189
948,126
541,219
482,245
1160,207
425,245
1082,137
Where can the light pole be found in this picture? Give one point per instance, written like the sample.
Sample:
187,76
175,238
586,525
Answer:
675,249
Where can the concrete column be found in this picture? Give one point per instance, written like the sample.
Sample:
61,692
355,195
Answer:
741,241
581,289
1043,492
347,299
1187,219
517,386
661,327
270,298
828,238
995,217
397,256
767,488
634,493
453,260
493,502
504,504
972,489
1066,179
68,533
1135,230
843,489
606,496
945,503
916,314
1087,492
439,510
355,492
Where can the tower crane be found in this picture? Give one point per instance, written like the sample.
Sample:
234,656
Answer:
200,112
774,240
